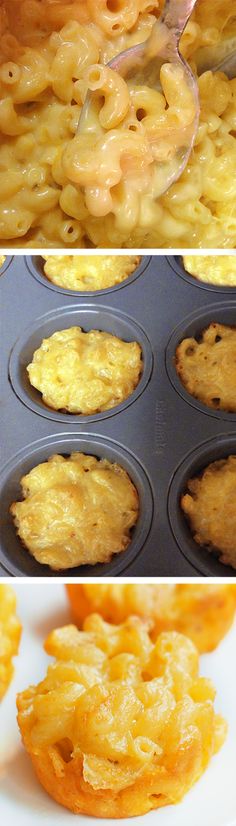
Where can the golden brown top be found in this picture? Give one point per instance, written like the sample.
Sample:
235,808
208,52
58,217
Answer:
76,511
120,715
85,372
207,367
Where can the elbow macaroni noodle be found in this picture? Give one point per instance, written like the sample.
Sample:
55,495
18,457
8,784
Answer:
100,187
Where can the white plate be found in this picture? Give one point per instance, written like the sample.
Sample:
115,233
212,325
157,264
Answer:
211,802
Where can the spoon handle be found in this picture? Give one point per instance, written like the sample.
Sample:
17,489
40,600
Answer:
176,13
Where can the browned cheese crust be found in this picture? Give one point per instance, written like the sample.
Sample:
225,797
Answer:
210,507
207,368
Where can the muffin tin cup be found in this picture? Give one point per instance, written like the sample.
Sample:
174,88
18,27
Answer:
192,327
35,267
16,559
176,262
6,264
89,317
193,465
155,429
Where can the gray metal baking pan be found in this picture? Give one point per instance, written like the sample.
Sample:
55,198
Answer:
160,434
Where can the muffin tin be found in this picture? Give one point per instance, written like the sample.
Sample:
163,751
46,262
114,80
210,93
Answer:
6,263
160,434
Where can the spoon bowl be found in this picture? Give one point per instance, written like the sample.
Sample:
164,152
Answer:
157,64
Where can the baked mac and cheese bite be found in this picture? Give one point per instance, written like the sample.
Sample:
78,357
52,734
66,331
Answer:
101,187
76,511
89,272
212,269
85,372
120,725
10,632
206,366
202,612
210,507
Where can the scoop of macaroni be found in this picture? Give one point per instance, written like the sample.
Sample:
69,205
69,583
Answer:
202,612
213,269
119,726
10,631
100,187
85,372
76,511
89,272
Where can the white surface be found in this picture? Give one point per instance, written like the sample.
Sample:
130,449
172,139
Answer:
212,801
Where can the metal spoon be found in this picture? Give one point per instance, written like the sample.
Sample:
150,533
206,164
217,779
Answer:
142,65
228,66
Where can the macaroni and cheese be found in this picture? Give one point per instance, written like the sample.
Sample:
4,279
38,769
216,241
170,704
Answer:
213,269
202,612
119,726
85,372
210,508
76,511
206,366
10,631
89,272
99,187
